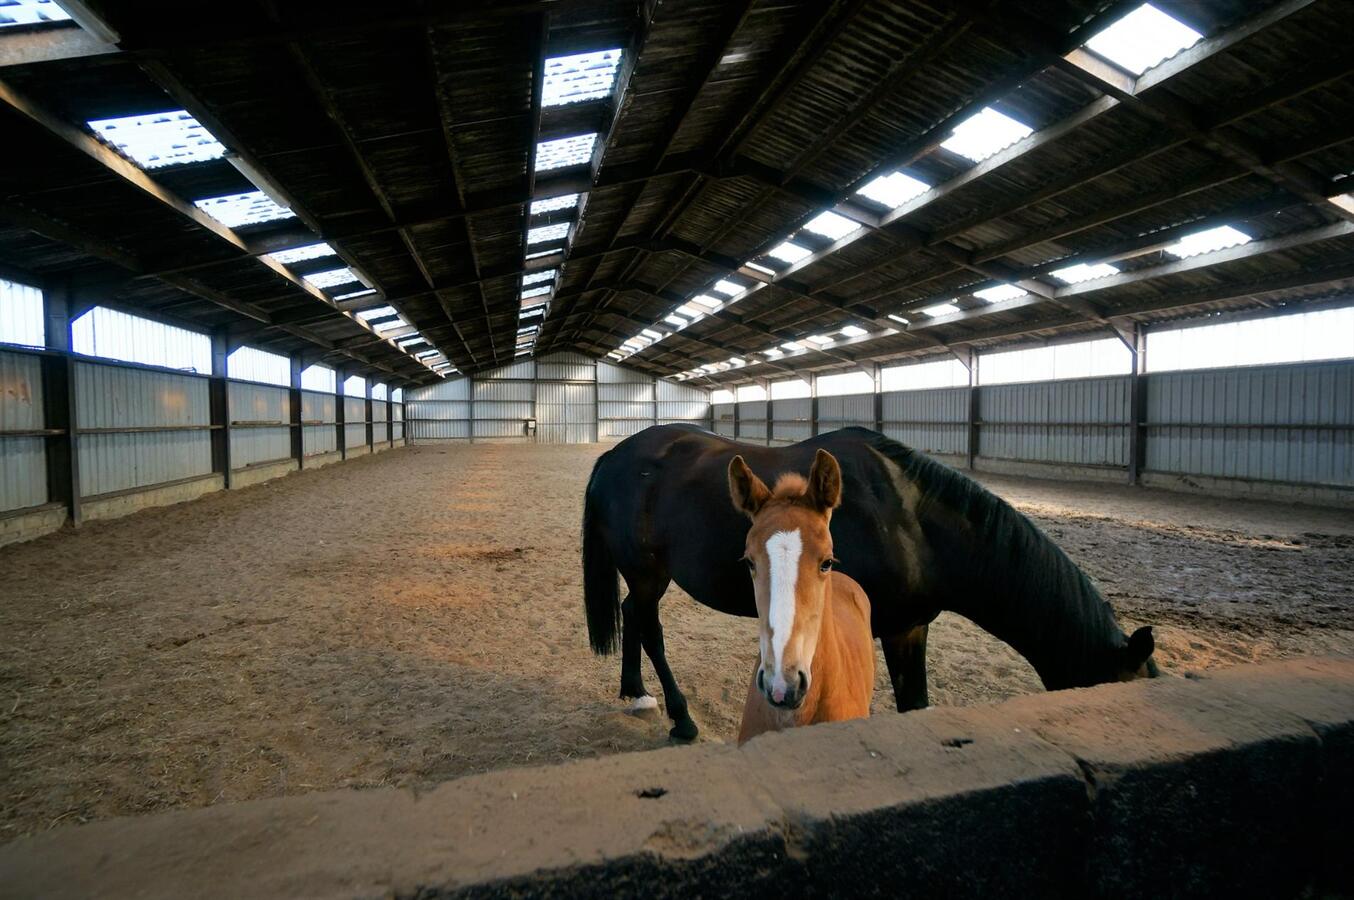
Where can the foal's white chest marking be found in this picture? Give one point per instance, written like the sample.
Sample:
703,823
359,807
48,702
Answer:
782,552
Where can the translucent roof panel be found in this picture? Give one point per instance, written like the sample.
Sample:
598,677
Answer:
156,140
539,254
331,278
789,252
1082,272
556,232
894,189
1142,39
554,203
728,288
854,331
1219,238
379,312
705,300
940,309
752,265
397,322
563,152
534,277
299,254
830,225
351,294
1000,292
582,76
985,133
250,208
535,292
30,12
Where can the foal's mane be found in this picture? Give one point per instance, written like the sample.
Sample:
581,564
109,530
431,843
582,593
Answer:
1013,559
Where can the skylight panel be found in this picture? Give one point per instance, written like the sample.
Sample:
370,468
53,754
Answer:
677,320
1082,272
686,309
31,12
249,208
791,346
553,204
894,189
404,342
579,77
536,292
821,339
788,251
1142,39
425,354
831,225
728,288
540,254
539,300
752,265
940,309
397,322
564,152
351,294
999,293
854,331
379,312
650,333
331,278
985,133
534,277
556,232
156,140
705,300
1208,241
300,254
899,319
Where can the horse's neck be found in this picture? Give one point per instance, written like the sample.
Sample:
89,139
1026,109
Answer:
1067,632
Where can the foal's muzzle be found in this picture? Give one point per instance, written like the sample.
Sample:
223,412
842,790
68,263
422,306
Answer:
796,687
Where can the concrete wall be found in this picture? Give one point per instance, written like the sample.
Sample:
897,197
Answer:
572,399
1236,783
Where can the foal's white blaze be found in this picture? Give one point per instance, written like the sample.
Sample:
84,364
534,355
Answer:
782,552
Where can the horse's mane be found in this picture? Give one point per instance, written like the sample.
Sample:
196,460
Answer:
1018,562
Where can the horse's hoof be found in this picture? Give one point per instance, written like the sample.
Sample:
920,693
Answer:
684,731
644,707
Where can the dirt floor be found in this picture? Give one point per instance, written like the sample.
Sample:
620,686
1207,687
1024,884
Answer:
416,616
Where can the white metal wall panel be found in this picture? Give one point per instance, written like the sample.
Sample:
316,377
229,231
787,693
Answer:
630,392
609,374
565,413
499,429
621,428
439,429
932,421
121,397
318,407
354,409
398,428
671,390
317,439
251,404
1257,423
843,410
696,411
1081,422
752,425
523,369
565,367
723,413
450,389
354,435
790,422
23,460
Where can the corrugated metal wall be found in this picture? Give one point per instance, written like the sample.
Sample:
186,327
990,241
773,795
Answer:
1082,422
846,409
752,421
572,398
319,413
251,406
23,473
116,399
354,422
1291,423
792,420
723,414
933,421
380,422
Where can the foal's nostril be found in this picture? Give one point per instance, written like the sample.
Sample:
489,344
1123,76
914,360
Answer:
803,683
761,680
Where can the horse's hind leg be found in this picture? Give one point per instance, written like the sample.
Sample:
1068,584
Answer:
632,681
905,654
683,729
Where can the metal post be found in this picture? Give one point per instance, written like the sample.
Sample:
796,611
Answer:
218,392
878,399
339,416
737,432
371,431
974,409
1137,399
813,404
59,407
390,417
298,448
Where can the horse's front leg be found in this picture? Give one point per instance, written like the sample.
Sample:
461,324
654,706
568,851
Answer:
683,729
905,654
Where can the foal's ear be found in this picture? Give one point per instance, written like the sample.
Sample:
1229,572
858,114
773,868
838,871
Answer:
825,481
749,492
1139,648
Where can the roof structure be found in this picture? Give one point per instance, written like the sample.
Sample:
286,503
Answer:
766,186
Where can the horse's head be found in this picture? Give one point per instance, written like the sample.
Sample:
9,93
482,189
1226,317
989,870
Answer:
789,554
1135,656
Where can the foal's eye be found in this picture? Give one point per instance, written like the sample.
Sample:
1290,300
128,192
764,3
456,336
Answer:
825,566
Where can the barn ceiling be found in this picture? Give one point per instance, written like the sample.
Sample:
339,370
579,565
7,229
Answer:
649,180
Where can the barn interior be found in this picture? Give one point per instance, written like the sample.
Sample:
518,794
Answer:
315,317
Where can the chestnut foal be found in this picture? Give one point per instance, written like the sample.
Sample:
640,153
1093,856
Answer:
817,660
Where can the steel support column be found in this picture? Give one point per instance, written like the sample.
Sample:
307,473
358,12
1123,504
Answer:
59,408
218,393
298,446
1137,398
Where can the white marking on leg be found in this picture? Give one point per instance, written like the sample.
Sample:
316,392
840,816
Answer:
642,703
782,551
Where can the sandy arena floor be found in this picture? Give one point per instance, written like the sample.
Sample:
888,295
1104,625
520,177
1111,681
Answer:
416,616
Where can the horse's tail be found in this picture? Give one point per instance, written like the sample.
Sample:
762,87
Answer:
601,595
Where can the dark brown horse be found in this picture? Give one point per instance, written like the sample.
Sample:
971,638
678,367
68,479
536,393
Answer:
918,536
